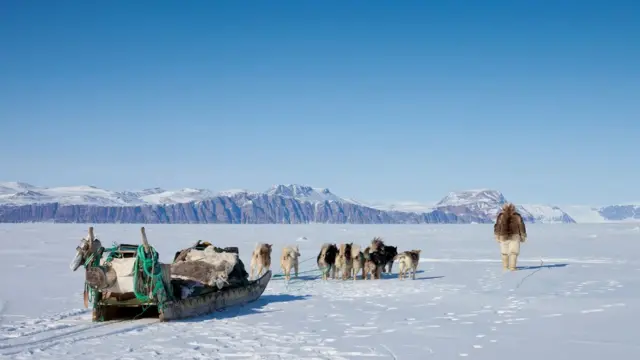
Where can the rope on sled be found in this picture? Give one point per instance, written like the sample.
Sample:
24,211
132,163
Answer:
113,253
148,281
92,294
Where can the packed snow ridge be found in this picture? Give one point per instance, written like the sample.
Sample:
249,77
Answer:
478,205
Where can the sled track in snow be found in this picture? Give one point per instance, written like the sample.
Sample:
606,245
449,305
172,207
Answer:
67,334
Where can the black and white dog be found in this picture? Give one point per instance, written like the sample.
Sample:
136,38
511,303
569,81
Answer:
326,260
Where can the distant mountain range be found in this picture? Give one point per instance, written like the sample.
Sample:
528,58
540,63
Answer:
280,204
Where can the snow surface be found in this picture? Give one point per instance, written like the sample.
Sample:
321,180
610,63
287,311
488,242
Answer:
582,303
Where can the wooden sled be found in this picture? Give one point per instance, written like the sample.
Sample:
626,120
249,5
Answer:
111,301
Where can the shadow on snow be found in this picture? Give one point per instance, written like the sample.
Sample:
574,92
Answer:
300,277
426,278
384,276
550,266
247,309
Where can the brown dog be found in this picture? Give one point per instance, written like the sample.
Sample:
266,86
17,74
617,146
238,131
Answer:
344,261
509,231
261,259
373,261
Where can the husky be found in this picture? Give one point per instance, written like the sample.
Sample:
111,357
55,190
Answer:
289,260
373,262
377,244
408,260
375,258
344,260
357,261
509,231
390,253
326,260
261,258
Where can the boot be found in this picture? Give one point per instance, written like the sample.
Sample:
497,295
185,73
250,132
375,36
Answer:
505,261
513,260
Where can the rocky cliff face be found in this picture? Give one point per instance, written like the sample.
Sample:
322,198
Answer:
237,209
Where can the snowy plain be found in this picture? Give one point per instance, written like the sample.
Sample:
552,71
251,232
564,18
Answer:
582,303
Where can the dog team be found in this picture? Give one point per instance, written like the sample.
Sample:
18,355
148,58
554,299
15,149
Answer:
347,260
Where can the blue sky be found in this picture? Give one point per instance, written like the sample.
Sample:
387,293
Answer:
377,100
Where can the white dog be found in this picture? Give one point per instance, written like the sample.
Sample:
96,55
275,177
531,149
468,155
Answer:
408,260
261,259
289,260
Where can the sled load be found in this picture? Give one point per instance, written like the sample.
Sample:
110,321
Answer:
201,279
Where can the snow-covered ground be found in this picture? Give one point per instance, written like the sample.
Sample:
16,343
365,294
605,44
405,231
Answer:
582,303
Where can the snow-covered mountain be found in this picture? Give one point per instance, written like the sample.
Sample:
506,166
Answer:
17,193
291,203
305,193
488,203
483,203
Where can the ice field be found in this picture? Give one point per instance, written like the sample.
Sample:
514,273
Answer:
576,296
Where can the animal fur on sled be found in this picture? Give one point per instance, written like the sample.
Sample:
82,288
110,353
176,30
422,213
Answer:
206,266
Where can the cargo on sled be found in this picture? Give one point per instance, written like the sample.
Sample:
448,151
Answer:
201,279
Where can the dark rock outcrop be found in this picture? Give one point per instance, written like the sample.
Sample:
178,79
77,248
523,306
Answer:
238,209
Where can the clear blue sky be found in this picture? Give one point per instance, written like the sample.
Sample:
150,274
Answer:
377,100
